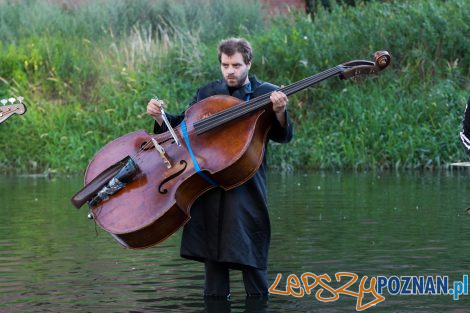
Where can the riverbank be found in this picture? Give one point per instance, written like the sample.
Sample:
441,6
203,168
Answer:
87,74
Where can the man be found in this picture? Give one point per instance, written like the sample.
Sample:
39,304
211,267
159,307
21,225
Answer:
465,132
231,229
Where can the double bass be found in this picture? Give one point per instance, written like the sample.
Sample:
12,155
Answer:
140,187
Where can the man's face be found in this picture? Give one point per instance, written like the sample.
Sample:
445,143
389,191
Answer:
234,69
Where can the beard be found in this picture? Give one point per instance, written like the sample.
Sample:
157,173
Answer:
234,81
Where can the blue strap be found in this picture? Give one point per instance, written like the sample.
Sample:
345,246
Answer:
248,95
193,157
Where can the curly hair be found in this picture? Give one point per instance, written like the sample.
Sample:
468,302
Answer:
231,46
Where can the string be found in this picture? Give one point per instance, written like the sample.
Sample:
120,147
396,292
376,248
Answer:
249,106
162,139
243,108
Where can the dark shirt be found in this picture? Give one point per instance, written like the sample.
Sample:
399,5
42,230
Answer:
465,132
232,226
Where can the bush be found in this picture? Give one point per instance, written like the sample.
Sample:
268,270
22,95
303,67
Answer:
87,73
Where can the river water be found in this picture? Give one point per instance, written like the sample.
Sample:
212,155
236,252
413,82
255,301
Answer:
53,259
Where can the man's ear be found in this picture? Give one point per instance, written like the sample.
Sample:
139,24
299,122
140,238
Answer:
249,65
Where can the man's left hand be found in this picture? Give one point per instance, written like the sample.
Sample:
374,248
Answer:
279,100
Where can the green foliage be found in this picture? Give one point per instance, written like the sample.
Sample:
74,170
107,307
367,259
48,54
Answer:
408,117
87,72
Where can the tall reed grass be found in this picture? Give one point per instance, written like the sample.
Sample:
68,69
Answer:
87,72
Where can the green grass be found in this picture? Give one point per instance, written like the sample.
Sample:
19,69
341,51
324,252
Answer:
88,71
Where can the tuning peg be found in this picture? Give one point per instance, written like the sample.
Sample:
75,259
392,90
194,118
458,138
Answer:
12,100
20,99
3,101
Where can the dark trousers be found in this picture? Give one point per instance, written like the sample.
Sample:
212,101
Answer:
217,280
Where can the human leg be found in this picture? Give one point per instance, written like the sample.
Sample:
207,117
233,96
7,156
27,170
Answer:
217,305
217,280
256,281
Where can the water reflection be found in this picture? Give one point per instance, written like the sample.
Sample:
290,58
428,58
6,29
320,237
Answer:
252,305
52,259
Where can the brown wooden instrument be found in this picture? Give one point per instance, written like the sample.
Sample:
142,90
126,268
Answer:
146,193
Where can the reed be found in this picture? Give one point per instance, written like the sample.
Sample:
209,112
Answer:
87,72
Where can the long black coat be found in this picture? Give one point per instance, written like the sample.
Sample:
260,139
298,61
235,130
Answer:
232,226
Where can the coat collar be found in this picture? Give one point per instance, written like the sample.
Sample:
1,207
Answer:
247,89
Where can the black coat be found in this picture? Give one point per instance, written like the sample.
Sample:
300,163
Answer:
232,226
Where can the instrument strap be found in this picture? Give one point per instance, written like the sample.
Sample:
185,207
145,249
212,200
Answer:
190,150
248,95
193,157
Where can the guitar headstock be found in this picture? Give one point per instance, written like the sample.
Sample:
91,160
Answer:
11,106
359,67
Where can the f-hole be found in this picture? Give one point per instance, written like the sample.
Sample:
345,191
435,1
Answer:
164,191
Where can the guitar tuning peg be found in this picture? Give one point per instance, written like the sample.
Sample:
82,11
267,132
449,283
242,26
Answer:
12,100
3,101
20,99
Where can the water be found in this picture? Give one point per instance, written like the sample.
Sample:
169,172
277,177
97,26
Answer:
52,259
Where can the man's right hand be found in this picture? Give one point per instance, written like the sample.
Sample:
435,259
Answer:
154,109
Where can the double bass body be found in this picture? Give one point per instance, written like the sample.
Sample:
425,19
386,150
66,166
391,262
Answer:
157,201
